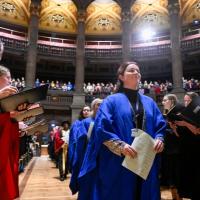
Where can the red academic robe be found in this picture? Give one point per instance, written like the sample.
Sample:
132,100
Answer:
9,158
58,142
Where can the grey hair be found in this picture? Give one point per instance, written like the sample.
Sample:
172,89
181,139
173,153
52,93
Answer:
173,98
3,70
96,101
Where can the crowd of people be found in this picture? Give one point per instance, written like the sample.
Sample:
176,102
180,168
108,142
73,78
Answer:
104,89
97,147
101,137
94,147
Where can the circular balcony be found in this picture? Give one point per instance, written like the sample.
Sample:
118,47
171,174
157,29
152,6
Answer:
17,42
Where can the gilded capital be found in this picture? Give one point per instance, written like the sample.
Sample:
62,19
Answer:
81,16
35,9
126,16
174,8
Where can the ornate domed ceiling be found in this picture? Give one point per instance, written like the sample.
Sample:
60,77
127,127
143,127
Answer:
103,17
58,16
190,11
15,11
150,13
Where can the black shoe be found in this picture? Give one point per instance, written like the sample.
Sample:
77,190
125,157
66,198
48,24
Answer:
62,178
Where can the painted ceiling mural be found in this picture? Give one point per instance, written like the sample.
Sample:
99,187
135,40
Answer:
58,16
190,11
150,14
15,11
103,17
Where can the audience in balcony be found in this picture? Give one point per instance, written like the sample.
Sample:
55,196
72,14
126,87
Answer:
154,88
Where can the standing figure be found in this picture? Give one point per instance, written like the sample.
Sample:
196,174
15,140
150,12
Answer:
102,175
9,143
83,135
84,113
189,152
170,156
61,148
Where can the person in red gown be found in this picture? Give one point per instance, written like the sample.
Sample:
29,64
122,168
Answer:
9,143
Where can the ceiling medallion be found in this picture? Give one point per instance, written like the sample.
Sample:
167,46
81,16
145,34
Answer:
198,5
104,22
150,17
7,7
57,18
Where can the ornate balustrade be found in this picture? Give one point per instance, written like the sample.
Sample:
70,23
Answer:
62,100
59,47
103,53
58,100
151,51
56,51
14,44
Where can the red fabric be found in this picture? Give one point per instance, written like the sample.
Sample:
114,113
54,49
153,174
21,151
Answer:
9,158
58,142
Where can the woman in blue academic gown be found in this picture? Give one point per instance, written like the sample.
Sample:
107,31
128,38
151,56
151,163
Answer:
84,113
102,175
83,134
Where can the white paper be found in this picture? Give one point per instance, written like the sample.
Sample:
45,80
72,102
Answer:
142,163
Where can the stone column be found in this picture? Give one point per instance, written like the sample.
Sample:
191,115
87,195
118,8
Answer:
126,34
79,96
175,31
32,43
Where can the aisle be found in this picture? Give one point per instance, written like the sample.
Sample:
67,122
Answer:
40,181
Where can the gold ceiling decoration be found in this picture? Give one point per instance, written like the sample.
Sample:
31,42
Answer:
190,11
15,11
58,16
103,18
150,14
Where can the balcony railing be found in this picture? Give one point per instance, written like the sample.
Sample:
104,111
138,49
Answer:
59,47
56,51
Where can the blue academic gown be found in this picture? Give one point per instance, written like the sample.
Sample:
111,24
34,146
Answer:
79,152
102,177
72,142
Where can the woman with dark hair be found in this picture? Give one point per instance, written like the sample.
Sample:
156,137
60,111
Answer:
84,113
102,175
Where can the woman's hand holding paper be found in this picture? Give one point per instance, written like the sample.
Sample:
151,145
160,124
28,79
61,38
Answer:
127,150
159,146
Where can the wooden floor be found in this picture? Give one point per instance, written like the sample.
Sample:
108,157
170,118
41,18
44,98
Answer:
40,181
